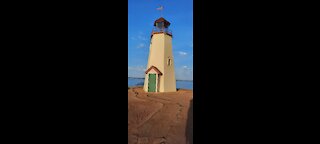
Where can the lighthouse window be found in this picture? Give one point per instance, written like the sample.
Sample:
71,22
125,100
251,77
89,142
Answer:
160,25
169,62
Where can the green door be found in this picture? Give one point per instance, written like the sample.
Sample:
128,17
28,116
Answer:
152,83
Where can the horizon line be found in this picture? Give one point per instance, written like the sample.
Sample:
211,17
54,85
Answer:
143,78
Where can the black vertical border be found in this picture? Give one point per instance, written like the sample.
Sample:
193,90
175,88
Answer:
253,64
68,71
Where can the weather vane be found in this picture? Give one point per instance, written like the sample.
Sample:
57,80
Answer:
160,9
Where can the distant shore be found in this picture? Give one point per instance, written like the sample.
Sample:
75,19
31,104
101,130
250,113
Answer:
182,84
141,87
143,78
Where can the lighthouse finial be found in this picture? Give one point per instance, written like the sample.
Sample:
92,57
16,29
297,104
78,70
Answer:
160,9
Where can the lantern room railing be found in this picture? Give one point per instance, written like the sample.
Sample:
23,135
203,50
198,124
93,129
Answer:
163,30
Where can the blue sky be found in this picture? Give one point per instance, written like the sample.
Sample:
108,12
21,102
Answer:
142,14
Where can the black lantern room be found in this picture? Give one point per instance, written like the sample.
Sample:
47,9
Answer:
161,25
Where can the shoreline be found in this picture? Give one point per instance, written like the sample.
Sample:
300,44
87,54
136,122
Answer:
180,84
176,80
178,89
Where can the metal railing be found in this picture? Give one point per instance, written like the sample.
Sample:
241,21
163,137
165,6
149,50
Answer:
165,30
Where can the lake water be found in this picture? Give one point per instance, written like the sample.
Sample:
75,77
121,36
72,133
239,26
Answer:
180,83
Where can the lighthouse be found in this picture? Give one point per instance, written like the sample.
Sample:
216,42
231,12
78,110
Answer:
159,74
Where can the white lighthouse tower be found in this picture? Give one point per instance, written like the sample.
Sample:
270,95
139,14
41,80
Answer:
160,76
